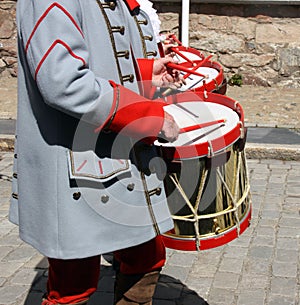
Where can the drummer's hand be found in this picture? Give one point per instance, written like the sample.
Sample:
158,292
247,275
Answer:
170,129
168,48
169,43
163,76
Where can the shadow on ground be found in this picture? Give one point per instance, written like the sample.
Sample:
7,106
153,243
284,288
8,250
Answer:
169,291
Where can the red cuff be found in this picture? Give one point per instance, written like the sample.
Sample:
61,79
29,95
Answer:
146,71
134,115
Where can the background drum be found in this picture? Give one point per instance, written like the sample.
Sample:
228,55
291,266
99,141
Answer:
212,79
186,54
207,182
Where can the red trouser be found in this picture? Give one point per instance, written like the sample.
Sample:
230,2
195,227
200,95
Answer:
74,280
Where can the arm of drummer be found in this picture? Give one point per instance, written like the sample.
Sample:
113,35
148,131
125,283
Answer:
156,73
169,41
166,77
138,117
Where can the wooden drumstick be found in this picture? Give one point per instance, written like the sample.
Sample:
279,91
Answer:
173,36
188,71
175,50
201,125
184,69
205,134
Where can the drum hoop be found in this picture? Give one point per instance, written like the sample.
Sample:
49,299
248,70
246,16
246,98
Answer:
212,84
209,241
207,64
190,50
190,96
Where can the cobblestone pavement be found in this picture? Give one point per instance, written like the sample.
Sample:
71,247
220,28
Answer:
261,267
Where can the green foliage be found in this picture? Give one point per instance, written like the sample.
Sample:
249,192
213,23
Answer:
236,80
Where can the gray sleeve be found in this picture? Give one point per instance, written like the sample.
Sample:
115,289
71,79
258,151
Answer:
58,59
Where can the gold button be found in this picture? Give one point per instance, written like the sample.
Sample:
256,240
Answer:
104,198
14,195
122,30
158,191
130,187
112,5
76,195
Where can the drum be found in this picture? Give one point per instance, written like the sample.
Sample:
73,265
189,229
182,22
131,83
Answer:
211,78
182,53
187,54
207,182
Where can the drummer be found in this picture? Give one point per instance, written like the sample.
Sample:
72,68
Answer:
82,183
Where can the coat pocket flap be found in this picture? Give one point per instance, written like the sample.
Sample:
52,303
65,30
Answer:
88,166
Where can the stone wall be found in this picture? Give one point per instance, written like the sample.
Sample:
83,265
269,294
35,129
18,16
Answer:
8,41
259,42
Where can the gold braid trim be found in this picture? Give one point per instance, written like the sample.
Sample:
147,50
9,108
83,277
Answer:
138,22
112,39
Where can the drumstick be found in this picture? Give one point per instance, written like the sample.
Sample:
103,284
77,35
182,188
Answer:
176,39
186,110
201,125
188,72
204,60
175,50
194,69
196,83
203,135
189,77
184,69
201,79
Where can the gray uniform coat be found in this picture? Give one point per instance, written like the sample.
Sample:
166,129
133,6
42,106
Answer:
77,193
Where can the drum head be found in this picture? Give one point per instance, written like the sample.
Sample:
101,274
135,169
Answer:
194,81
184,54
222,131
189,55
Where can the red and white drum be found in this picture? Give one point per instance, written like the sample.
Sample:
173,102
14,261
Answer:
182,53
211,77
187,54
207,181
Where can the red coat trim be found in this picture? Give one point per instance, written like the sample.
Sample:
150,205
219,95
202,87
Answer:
146,71
134,115
132,4
49,51
53,5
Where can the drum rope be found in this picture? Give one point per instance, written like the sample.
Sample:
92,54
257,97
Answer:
200,191
186,199
236,179
197,203
227,188
181,191
247,183
217,214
